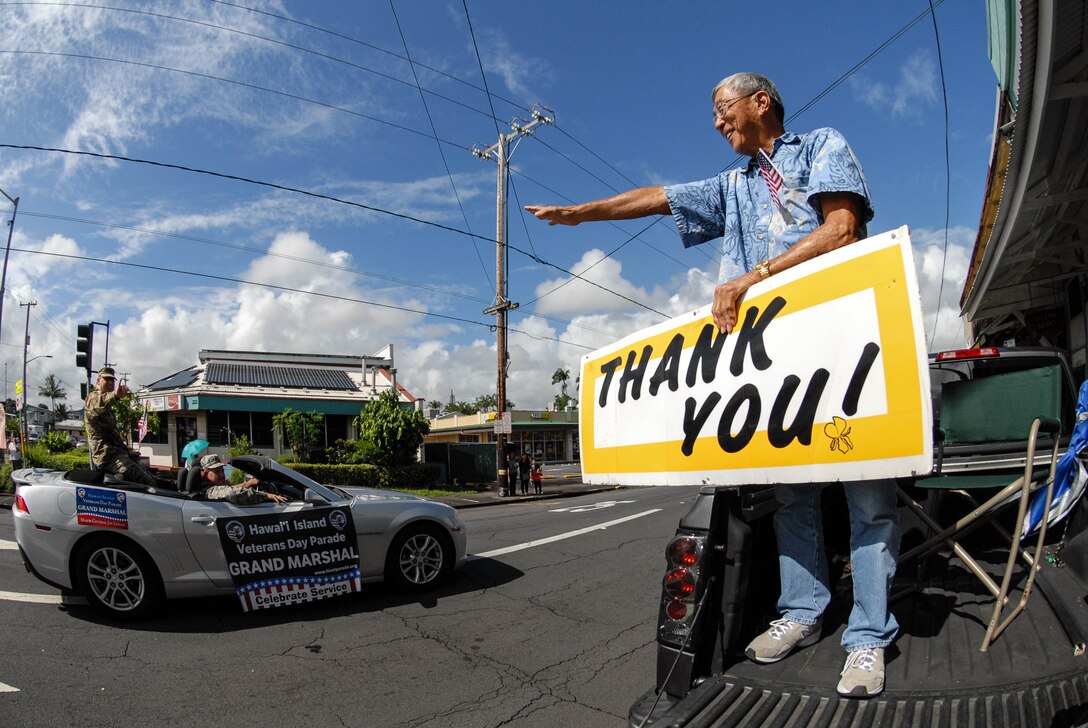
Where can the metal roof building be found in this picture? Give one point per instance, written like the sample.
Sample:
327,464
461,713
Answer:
1028,276
233,393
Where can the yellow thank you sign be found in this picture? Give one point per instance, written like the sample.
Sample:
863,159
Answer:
824,378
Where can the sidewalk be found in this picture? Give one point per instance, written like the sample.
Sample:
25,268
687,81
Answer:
553,487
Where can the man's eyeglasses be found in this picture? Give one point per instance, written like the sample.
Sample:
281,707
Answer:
722,107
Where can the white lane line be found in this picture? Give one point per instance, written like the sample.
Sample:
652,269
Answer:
560,537
8,688
31,598
8,545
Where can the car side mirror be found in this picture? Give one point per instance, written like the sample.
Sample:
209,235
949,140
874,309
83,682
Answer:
311,496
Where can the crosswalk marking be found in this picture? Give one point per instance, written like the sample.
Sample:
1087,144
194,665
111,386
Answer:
8,545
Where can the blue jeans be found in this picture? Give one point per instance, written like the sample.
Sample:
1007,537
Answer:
874,548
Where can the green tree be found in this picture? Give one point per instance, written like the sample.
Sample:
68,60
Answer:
61,411
239,445
56,442
561,377
302,431
52,389
562,400
127,410
394,432
461,408
487,402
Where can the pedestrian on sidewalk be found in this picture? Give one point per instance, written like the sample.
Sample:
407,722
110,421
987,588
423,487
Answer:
14,454
511,474
537,475
525,468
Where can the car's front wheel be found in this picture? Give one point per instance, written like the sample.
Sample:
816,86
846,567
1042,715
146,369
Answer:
118,578
420,558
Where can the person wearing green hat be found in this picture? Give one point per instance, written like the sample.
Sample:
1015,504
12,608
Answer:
109,453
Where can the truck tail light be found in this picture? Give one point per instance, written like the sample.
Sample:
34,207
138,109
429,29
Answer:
680,587
983,352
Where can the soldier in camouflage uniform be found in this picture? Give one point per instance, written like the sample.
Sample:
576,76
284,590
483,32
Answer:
109,452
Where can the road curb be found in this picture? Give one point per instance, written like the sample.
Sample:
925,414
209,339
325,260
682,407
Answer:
497,500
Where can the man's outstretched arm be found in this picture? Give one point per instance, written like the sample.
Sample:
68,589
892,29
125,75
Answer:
641,202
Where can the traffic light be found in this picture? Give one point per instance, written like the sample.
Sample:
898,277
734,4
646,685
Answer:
84,343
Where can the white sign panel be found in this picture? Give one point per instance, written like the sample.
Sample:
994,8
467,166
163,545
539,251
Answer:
824,378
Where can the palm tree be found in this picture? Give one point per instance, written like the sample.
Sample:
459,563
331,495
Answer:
52,389
561,377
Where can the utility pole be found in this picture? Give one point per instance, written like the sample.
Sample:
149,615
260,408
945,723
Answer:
500,151
7,251
26,390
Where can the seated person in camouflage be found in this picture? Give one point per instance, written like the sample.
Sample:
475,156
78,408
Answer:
109,453
211,471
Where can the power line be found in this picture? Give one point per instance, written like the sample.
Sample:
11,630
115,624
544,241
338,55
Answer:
233,82
316,195
308,261
334,107
441,153
947,176
596,263
288,289
255,36
350,39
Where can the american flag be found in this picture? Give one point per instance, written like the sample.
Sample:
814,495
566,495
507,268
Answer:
770,175
141,427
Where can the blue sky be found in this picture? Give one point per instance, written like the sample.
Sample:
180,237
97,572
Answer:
319,97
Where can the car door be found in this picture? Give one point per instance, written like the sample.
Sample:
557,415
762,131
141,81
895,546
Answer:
201,530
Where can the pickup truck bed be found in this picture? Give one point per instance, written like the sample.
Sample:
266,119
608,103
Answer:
936,675
1034,675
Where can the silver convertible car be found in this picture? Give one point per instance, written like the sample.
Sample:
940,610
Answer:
126,546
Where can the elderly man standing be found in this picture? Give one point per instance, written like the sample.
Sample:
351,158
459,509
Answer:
800,195
108,450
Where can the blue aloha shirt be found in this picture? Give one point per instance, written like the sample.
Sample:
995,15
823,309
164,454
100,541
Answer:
737,206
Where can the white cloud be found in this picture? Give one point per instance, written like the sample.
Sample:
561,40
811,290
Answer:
942,271
918,86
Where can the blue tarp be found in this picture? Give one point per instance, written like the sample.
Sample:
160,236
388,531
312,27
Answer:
1070,476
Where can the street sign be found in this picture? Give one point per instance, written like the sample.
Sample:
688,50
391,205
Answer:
505,425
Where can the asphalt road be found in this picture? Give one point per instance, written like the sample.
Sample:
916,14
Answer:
550,624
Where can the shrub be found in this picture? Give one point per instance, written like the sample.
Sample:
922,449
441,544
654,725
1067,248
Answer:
362,476
56,442
415,476
239,445
394,432
39,456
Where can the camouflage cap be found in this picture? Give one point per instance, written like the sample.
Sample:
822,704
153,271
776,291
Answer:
106,373
211,462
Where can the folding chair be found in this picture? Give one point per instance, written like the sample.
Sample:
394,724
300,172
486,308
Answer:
1002,408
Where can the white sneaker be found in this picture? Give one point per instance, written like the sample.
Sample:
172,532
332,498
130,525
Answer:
781,639
863,673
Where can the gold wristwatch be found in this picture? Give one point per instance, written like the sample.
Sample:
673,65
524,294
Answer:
763,269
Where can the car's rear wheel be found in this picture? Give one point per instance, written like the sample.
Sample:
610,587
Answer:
118,578
420,558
